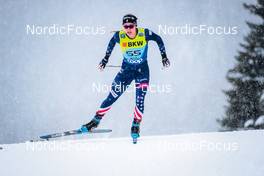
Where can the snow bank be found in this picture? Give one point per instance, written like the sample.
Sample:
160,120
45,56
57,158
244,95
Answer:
204,154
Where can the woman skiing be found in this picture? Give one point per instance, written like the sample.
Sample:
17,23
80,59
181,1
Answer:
134,45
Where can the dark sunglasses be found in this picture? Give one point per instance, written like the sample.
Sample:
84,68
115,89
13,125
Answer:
129,26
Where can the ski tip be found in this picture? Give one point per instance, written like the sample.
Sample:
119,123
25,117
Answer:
1,148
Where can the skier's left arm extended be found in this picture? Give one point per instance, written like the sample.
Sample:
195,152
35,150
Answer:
115,39
152,36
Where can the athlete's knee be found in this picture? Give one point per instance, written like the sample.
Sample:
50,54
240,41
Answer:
118,87
142,87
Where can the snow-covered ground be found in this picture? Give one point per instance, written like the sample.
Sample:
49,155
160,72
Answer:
203,154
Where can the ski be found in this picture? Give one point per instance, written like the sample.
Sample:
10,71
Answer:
69,133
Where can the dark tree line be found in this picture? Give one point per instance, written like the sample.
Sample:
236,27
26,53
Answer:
245,99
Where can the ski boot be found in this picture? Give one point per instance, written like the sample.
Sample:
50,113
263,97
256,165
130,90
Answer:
135,131
91,125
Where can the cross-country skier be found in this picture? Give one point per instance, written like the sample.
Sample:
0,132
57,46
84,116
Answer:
134,45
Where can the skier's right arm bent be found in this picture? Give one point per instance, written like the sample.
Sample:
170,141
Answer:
115,39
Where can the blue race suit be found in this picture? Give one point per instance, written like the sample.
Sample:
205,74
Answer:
134,67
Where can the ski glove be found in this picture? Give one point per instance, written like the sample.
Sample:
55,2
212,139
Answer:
165,62
103,63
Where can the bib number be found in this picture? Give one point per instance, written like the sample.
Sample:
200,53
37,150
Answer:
133,53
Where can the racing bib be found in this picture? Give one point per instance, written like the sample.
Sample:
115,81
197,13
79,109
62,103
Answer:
134,50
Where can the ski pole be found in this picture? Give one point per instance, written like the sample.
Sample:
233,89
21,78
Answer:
113,65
